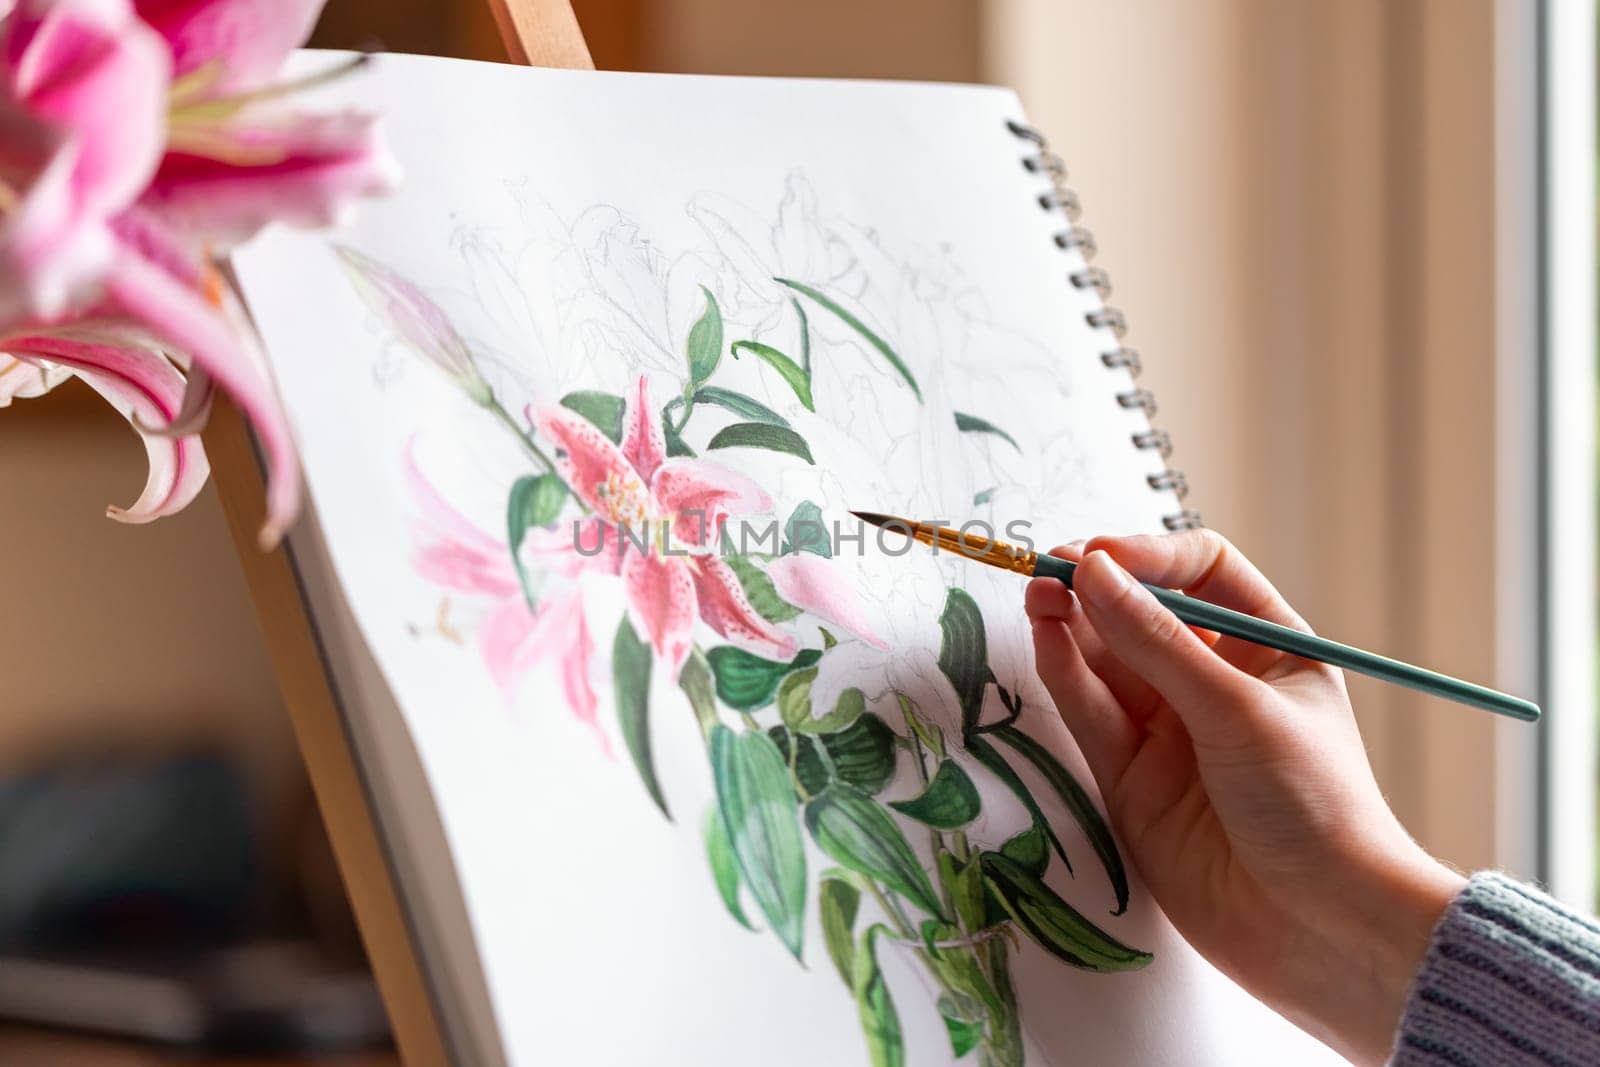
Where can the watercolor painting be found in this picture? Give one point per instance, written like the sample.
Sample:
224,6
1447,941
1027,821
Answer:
859,803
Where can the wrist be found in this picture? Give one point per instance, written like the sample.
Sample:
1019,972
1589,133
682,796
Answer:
1380,926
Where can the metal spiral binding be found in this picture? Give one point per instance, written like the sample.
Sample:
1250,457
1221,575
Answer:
1062,199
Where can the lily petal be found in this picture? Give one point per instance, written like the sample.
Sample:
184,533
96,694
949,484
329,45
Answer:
820,586
643,442
22,380
93,68
700,497
225,180
248,39
180,315
148,390
50,251
662,604
728,611
593,467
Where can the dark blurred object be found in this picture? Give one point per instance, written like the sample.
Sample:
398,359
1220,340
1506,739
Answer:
143,855
128,905
256,998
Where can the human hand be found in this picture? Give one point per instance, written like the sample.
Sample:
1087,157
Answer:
1237,780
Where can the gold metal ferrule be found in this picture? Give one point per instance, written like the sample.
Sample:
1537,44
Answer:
995,553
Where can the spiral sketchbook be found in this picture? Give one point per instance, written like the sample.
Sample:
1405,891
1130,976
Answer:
671,760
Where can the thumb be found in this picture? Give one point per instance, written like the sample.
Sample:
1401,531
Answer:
1210,695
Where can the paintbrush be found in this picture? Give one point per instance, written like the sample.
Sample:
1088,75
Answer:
1211,617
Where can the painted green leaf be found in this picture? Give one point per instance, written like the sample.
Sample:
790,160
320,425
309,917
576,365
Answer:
676,445
806,532
862,755
837,902
760,817
827,302
760,591
880,1023
630,670
741,405
964,653
762,435
746,681
1053,923
705,343
948,803
1030,850
535,500
805,335
990,757
696,681
929,734
794,706
602,409
1078,802
983,497
964,1035
963,882
798,377
972,424
859,834
959,968
724,867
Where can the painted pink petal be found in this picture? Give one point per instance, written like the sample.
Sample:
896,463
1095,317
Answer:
563,632
92,68
821,587
643,442
51,253
456,553
512,640
581,546
249,39
728,611
593,467
662,604
22,380
148,390
700,497
226,180
182,317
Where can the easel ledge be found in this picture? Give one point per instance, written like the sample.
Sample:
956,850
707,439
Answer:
538,33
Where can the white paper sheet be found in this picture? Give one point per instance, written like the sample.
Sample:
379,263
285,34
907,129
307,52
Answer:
563,232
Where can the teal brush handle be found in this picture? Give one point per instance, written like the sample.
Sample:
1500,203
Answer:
1249,628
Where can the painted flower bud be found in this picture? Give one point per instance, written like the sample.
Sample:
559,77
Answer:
417,321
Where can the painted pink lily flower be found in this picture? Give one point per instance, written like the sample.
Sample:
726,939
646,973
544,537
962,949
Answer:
678,507
138,142
454,553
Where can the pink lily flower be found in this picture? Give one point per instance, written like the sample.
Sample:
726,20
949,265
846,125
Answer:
679,506
454,553
139,140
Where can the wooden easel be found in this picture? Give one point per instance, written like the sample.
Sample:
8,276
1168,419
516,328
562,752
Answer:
538,33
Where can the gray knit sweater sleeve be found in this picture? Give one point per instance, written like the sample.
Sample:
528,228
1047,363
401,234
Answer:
1512,977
